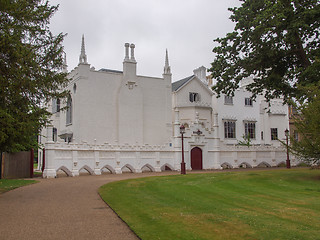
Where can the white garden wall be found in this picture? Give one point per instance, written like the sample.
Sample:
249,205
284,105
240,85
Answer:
73,158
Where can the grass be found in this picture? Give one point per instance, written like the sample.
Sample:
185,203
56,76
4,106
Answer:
9,184
275,204
37,174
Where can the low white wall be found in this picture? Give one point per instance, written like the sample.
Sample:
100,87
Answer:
254,156
73,158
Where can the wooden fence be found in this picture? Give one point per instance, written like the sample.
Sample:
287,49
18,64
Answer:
16,165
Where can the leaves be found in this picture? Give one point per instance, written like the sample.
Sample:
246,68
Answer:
30,70
307,124
277,42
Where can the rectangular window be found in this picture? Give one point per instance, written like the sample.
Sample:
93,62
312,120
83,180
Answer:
230,129
194,97
55,105
228,100
54,134
274,133
69,111
248,102
250,129
58,105
261,135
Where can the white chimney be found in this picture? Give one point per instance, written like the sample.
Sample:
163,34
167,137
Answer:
201,73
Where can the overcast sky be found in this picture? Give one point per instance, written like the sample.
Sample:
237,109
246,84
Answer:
185,27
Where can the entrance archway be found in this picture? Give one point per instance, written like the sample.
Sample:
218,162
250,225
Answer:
196,158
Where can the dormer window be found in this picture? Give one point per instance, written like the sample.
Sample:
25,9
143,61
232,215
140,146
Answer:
194,97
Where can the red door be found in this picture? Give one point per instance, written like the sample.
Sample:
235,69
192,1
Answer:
196,159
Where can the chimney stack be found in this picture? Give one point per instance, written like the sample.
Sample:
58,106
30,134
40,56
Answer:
129,64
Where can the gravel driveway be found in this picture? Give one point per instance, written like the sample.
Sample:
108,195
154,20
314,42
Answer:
63,208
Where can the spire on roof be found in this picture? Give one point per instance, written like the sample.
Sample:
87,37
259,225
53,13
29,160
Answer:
83,56
167,69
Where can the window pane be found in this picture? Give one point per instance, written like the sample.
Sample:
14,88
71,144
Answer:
248,101
69,111
230,129
228,100
194,97
274,133
58,105
250,129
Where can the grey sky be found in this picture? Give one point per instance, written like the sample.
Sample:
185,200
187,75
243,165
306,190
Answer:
185,27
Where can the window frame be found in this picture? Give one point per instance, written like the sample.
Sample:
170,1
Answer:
274,134
194,97
58,105
248,102
250,127
69,111
54,134
230,129
228,100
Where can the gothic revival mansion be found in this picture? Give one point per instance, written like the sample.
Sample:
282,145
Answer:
119,121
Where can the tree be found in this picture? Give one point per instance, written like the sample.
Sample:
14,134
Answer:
30,71
275,41
307,124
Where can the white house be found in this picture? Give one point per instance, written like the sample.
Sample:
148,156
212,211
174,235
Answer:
241,116
117,121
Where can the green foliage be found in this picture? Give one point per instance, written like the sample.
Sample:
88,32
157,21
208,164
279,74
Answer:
276,204
30,71
277,42
246,141
307,124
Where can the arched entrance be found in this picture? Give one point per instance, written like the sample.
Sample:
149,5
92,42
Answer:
196,158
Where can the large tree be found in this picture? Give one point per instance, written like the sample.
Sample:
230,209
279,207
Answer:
307,124
31,59
275,41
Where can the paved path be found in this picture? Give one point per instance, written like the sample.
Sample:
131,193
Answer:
63,208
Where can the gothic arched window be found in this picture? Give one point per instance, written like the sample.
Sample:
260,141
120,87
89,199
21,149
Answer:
69,111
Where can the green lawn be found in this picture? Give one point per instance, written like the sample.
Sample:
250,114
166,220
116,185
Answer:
275,204
9,184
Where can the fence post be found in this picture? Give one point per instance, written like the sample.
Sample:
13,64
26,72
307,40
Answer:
43,159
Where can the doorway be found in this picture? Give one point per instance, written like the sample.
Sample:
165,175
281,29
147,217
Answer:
196,158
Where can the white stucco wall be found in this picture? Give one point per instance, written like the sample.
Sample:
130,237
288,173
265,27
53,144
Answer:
188,110
118,108
258,112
